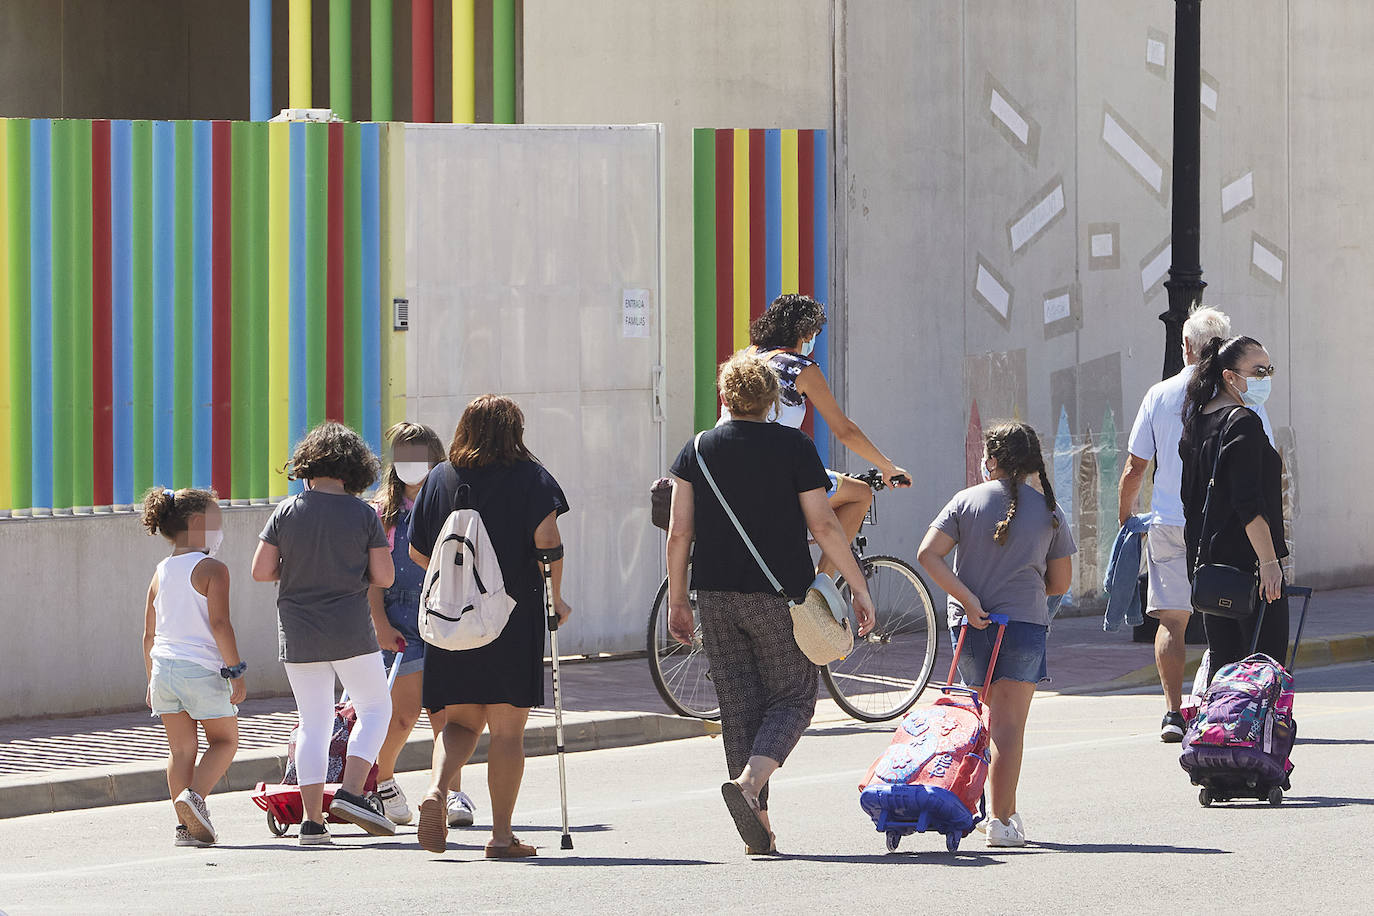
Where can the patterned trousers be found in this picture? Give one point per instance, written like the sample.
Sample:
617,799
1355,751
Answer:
766,686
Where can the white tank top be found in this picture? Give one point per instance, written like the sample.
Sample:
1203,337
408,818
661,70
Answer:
183,615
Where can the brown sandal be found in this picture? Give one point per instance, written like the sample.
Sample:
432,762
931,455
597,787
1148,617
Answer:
512,850
432,831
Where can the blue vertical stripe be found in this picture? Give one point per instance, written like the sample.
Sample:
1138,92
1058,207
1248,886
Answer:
121,306
371,367
821,231
164,286
202,301
40,308
260,60
296,409
772,200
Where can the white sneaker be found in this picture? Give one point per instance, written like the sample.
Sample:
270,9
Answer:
460,809
1006,833
393,802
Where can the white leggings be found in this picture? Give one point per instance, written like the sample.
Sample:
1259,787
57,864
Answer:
364,677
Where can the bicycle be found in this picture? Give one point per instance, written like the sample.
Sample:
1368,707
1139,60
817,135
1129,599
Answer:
880,680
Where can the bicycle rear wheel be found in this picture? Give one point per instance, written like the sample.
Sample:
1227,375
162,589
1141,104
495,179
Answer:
681,673
889,668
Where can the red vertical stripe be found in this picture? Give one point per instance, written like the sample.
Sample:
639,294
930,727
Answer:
221,375
806,216
422,60
758,231
725,243
334,282
102,359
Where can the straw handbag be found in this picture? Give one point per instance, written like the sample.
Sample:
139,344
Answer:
820,623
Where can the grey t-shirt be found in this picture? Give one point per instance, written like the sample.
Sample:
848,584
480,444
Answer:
322,610
1007,578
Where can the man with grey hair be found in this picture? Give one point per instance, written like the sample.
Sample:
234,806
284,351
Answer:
1155,434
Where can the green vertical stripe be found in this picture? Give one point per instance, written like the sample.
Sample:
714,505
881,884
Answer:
503,61
704,276
259,468
141,195
183,313
316,257
353,277
21,425
242,412
381,61
83,461
63,389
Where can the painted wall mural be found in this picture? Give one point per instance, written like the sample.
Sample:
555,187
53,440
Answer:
761,220
180,301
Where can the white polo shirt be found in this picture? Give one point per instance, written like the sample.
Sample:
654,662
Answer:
1158,428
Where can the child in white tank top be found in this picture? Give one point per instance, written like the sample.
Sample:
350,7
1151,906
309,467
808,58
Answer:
195,675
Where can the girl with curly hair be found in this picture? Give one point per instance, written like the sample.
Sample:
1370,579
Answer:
325,546
785,335
1013,551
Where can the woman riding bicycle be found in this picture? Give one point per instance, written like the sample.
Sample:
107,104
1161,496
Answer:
786,334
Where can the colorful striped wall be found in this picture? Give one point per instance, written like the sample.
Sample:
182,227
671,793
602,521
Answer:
179,301
761,221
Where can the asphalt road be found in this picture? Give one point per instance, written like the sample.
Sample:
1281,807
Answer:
1114,827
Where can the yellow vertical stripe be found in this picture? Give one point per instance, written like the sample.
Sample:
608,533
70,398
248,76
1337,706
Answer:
6,491
298,88
741,236
394,407
464,80
278,300
791,232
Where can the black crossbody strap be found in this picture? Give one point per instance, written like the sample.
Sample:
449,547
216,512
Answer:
1204,540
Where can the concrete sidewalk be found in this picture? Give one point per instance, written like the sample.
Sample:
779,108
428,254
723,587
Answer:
79,762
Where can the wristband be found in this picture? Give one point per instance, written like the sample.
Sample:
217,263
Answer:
1269,563
236,671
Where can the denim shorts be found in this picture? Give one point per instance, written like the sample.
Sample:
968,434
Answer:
403,613
182,686
1021,658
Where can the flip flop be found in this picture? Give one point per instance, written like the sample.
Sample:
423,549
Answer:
432,831
514,850
745,811
772,849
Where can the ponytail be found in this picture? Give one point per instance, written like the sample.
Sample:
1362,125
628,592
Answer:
1216,357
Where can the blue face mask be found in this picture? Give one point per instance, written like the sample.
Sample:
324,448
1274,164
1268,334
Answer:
1257,391
808,347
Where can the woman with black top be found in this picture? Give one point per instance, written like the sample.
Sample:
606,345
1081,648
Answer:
1245,525
775,483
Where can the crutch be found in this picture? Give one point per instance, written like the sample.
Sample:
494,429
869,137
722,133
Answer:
546,558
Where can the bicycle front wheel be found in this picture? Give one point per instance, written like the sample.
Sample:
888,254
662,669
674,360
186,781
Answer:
889,668
681,673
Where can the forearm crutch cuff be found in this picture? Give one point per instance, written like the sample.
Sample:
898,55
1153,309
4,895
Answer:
548,554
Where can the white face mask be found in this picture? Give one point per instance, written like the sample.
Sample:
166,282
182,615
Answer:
412,473
987,475
214,539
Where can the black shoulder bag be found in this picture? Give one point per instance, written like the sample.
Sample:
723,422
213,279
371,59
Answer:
1218,589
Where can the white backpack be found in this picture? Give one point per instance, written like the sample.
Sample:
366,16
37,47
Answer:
464,604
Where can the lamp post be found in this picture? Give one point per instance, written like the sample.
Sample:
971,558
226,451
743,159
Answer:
1185,284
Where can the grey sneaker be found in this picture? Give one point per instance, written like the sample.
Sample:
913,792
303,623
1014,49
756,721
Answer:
184,838
313,834
193,813
460,809
363,811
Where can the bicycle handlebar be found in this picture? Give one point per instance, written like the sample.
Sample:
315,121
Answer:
874,478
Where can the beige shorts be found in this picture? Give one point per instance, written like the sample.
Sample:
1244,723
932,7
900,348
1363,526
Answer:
1167,558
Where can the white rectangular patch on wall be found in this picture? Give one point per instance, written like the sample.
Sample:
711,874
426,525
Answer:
1155,268
1057,308
1209,96
1037,219
1004,112
1115,135
1103,245
1154,52
1237,193
635,313
992,290
1270,262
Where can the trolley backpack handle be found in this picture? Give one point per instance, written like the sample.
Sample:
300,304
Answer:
1001,620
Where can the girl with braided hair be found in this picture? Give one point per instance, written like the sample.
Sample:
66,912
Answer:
1014,550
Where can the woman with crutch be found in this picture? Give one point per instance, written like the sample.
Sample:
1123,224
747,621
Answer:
492,687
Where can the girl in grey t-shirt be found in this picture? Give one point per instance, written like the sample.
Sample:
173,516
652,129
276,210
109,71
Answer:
1012,548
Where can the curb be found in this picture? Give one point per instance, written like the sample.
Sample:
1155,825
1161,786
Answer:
1315,652
146,780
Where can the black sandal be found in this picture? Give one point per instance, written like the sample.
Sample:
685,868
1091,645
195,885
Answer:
745,811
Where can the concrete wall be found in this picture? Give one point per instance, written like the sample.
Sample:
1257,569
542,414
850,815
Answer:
73,611
715,63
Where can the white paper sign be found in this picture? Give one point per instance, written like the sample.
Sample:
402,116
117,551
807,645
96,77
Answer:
1038,218
635,311
1057,308
1102,245
1125,146
1209,97
1009,116
1237,192
1154,271
993,292
1266,261
1154,52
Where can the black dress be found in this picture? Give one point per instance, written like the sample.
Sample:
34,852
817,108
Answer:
512,500
1248,484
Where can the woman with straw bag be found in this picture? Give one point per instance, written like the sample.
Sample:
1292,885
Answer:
770,479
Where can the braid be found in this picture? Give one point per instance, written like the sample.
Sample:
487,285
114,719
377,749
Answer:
999,534
1049,494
